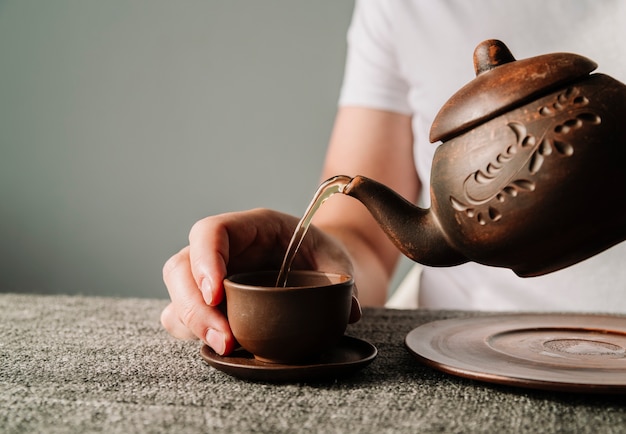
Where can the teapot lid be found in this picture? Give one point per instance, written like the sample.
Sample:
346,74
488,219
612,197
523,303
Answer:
502,83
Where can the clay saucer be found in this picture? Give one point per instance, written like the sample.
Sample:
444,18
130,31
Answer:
350,355
563,352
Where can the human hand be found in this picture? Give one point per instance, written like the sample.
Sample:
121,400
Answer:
229,243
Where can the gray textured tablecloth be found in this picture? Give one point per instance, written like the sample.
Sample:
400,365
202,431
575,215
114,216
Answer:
88,364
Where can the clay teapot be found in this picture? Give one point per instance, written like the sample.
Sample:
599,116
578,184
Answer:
530,174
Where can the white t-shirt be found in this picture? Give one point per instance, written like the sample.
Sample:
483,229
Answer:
411,56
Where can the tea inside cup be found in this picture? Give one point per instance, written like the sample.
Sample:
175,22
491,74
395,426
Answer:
291,324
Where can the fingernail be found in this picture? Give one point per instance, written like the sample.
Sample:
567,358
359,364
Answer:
207,290
217,341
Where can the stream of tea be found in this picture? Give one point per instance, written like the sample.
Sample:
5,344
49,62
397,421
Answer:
325,190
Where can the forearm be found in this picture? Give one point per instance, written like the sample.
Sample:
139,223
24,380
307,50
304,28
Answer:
379,145
372,275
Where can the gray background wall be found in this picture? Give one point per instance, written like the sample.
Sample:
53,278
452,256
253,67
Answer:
121,123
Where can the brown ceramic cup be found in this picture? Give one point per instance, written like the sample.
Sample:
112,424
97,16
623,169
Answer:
288,325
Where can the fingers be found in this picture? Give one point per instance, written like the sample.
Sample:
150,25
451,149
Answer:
188,309
232,242
209,255
173,324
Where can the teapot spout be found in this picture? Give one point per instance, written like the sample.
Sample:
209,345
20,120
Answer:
414,231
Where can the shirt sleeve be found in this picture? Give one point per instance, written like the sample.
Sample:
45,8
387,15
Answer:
372,74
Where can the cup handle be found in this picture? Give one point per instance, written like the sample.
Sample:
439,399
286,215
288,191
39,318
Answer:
355,310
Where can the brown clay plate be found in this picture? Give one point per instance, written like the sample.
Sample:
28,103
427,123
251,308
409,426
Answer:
350,355
564,352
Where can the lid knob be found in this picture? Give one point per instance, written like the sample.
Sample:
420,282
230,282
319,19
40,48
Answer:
490,54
